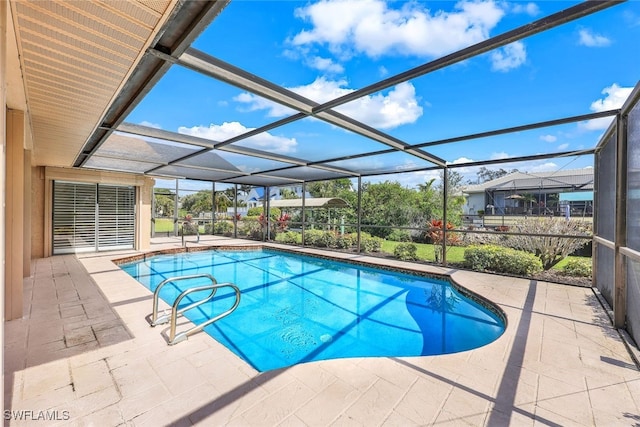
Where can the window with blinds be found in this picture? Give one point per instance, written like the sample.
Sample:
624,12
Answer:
116,213
90,217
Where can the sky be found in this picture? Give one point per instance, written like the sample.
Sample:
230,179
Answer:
325,49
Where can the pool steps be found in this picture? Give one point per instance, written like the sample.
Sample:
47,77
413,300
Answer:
172,316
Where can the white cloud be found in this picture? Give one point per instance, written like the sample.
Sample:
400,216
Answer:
461,160
531,9
508,57
549,138
614,98
382,70
374,28
325,64
151,125
590,39
543,167
264,141
468,172
563,146
499,156
398,107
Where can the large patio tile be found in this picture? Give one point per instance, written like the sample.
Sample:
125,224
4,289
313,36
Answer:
328,404
563,407
135,378
91,378
277,406
226,407
423,400
347,370
44,378
612,403
176,411
147,400
315,379
180,376
109,416
90,403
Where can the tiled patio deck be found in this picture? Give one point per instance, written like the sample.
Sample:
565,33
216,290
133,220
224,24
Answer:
84,347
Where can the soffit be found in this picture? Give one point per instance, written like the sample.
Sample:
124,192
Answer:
75,56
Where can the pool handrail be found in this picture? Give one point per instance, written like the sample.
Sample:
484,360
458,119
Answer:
155,320
184,242
175,311
173,338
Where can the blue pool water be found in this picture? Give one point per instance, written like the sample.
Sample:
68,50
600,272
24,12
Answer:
297,309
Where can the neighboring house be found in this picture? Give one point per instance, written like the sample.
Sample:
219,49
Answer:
255,197
545,193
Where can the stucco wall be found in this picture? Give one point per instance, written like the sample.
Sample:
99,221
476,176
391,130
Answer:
37,212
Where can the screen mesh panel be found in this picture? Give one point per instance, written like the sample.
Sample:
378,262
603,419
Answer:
633,297
604,271
606,196
633,179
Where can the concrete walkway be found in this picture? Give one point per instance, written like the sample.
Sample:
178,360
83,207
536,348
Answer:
84,355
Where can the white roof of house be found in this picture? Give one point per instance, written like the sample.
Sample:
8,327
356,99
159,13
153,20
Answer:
568,180
316,202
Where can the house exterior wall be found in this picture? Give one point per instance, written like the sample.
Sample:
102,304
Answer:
14,214
37,212
475,202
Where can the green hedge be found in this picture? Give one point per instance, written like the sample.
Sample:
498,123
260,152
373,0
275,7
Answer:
369,243
501,260
257,211
220,227
289,237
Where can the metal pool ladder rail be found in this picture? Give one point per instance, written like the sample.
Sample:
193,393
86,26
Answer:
175,312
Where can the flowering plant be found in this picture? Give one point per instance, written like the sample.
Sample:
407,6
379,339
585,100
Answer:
283,221
436,232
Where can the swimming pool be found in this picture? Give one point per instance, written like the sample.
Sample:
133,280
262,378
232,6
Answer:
296,308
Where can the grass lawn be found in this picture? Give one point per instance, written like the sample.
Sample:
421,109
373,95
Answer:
425,251
164,225
455,254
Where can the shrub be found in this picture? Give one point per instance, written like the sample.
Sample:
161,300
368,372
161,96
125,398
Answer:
252,228
327,240
502,260
370,244
550,250
321,239
346,241
189,228
398,235
312,237
406,252
578,267
257,211
289,237
222,227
